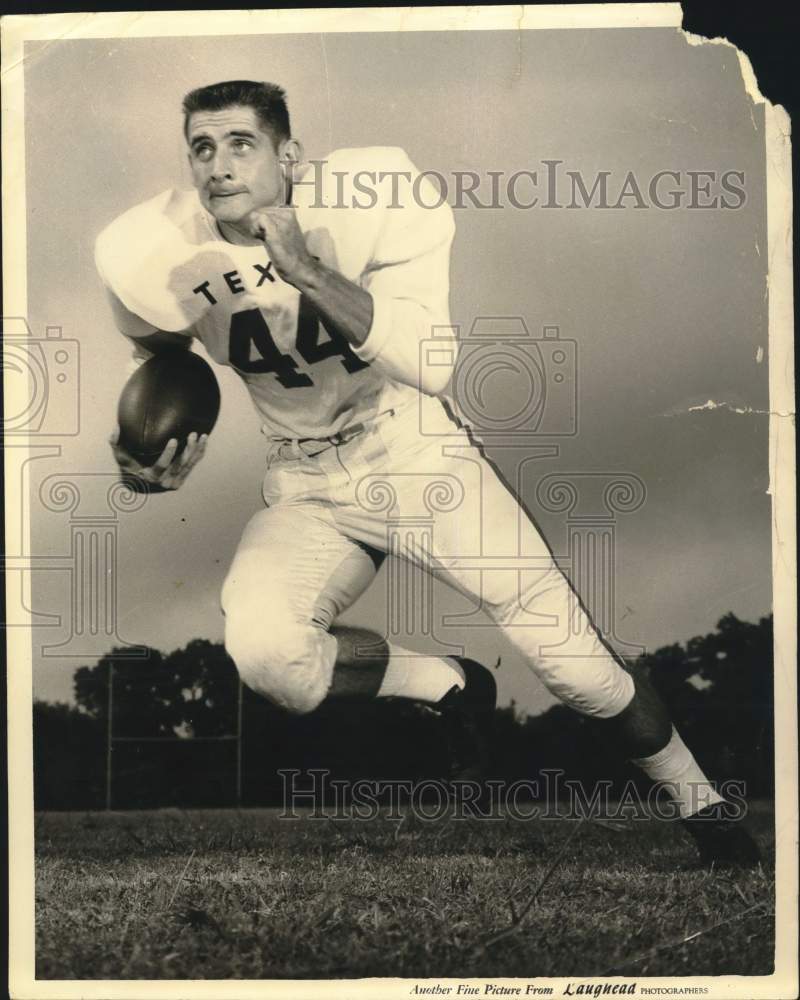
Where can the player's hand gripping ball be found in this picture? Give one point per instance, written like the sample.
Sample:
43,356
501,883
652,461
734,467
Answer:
165,413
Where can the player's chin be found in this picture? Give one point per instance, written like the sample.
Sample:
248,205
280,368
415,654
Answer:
231,209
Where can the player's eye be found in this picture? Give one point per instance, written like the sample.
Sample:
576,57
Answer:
240,145
203,152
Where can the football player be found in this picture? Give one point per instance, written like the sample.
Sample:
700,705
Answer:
318,283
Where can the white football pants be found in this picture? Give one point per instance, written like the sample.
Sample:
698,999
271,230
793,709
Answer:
431,498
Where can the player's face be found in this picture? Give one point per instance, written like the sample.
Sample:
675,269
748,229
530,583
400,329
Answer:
235,166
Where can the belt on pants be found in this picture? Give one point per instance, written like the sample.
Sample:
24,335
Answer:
310,447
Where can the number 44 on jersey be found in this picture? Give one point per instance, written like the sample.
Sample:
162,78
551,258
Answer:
250,330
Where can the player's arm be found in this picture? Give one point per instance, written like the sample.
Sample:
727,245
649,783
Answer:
169,471
338,301
403,296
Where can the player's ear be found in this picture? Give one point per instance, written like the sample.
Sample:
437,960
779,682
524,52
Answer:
290,153
291,150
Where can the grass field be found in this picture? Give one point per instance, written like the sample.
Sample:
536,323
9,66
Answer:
229,895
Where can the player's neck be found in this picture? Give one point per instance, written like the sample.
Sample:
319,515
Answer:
232,234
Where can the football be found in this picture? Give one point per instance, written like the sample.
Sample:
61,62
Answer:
169,396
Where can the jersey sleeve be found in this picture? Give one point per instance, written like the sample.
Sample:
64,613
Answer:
117,263
137,331
134,257
127,322
411,339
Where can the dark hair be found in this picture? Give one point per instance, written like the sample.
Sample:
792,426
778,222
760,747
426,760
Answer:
268,100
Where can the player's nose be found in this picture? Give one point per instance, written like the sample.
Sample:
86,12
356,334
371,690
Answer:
221,167
221,174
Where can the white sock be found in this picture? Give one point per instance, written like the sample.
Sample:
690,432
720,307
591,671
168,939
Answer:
688,786
425,678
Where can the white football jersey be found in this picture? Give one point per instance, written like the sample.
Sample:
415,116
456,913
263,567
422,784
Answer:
365,213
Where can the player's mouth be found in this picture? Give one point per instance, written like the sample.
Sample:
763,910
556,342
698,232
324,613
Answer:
226,194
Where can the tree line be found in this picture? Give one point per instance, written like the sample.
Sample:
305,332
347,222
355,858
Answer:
175,717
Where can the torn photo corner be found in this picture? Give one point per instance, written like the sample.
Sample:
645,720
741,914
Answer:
454,655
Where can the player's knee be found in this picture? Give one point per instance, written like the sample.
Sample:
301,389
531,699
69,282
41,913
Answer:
590,681
564,649
288,663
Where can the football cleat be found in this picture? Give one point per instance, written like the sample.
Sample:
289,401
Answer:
721,842
468,715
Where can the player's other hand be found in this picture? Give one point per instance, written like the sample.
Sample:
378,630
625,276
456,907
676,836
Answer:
278,227
168,472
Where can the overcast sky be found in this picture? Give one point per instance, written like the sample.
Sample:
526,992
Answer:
668,309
